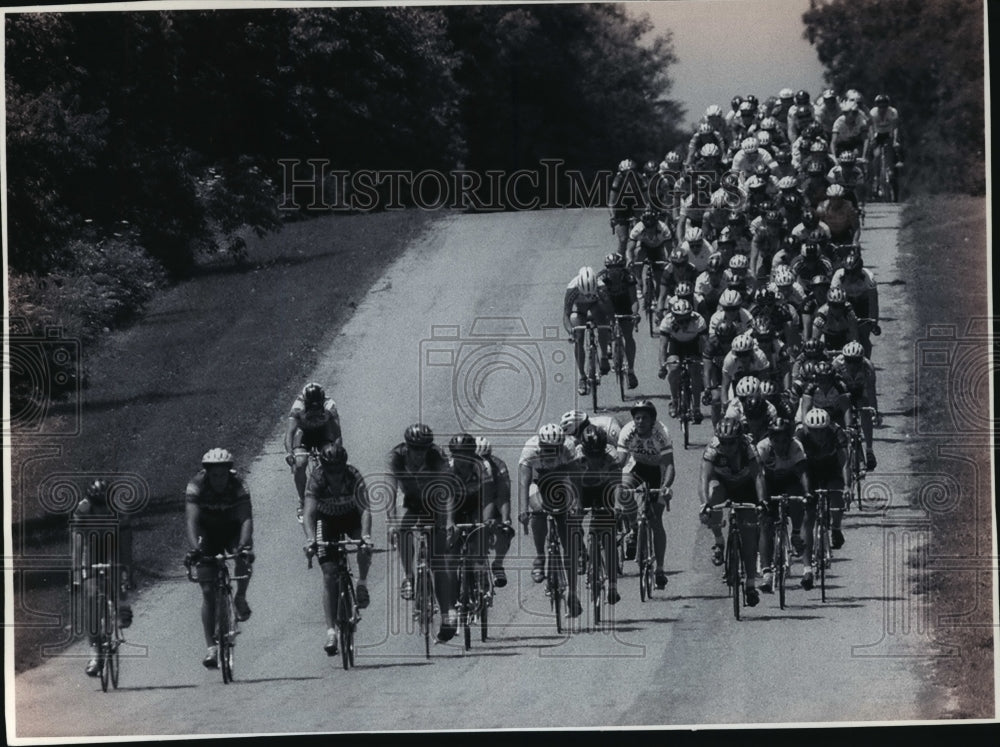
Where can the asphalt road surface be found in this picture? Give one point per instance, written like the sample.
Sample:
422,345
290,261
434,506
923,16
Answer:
464,332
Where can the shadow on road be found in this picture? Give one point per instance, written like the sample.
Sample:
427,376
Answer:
274,679
155,687
365,665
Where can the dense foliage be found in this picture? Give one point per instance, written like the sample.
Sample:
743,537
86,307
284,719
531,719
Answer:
176,121
928,57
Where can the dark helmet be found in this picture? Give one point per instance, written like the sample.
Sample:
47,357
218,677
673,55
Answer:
762,328
853,260
735,102
726,330
333,455
782,156
418,434
773,217
766,295
593,441
462,445
881,100
802,97
715,263
754,403
814,349
643,404
779,425
809,218
313,395
822,368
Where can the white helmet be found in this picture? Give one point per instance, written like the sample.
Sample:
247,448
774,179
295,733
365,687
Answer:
217,456
483,447
586,281
572,420
713,111
747,385
551,434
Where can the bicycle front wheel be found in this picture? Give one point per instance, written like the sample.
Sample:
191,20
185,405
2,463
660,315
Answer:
345,628
733,570
114,642
104,646
484,609
595,577
426,591
780,565
225,625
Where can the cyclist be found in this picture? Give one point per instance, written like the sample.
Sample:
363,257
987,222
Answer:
575,422
710,286
840,215
783,461
791,202
791,248
678,270
827,111
475,502
862,294
717,346
825,445
849,174
751,408
828,392
90,547
775,350
597,475
858,374
313,422
883,130
337,503
780,318
645,441
744,359
704,135
697,248
816,297
219,518
730,470
765,243
810,261
416,468
810,222
625,200
682,335
731,310
800,115
740,124
544,477
850,130
749,156
621,288
648,242
695,205
586,300
738,278
802,145
790,291
503,530
835,322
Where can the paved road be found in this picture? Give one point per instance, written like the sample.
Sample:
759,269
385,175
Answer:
415,350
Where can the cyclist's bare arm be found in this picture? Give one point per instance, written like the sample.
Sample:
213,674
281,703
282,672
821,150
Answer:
290,434
192,514
706,478
760,486
667,463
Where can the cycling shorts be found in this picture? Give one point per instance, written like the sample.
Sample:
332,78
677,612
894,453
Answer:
224,538
622,305
644,252
330,528
721,489
311,439
825,474
678,350
413,519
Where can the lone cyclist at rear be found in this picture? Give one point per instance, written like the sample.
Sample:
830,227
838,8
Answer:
587,300
219,519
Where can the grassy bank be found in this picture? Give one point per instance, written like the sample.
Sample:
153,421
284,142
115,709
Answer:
214,361
943,256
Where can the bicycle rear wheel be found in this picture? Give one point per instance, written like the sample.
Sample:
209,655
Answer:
820,550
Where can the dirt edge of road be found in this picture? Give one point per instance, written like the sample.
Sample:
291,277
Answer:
216,360
958,578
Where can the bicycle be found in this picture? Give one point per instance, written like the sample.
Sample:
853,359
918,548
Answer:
109,635
424,606
644,539
822,552
313,458
651,291
226,624
597,574
556,577
591,364
781,554
735,571
619,360
347,615
856,455
475,585
882,175
684,394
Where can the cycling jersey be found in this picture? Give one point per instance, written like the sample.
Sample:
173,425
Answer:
597,480
698,253
656,237
608,425
806,269
843,324
745,163
883,123
848,129
742,320
834,399
541,463
780,467
710,286
232,503
315,426
753,423
577,299
801,232
626,195
849,178
840,215
475,493
619,283
674,274
857,377
413,482
735,367
653,449
823,452
693,209
686,330
735,466
855,284
500,476
337,495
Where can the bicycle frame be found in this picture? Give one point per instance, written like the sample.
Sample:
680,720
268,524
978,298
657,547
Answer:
591,354
599,567
735,569
226,624
556,578
822,553
781,563
619,356
347,615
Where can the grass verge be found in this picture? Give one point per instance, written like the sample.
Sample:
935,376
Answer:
943,256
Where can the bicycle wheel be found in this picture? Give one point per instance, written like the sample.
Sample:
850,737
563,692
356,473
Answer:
225,617
779,566
684,409
465,602
649,561
345,627
555,595
620,370
648,302
114,641
819,555
595,577
104,646
641,550
426,609
733,569
484,605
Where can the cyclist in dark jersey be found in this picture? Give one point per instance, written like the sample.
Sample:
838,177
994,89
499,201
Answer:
621,288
